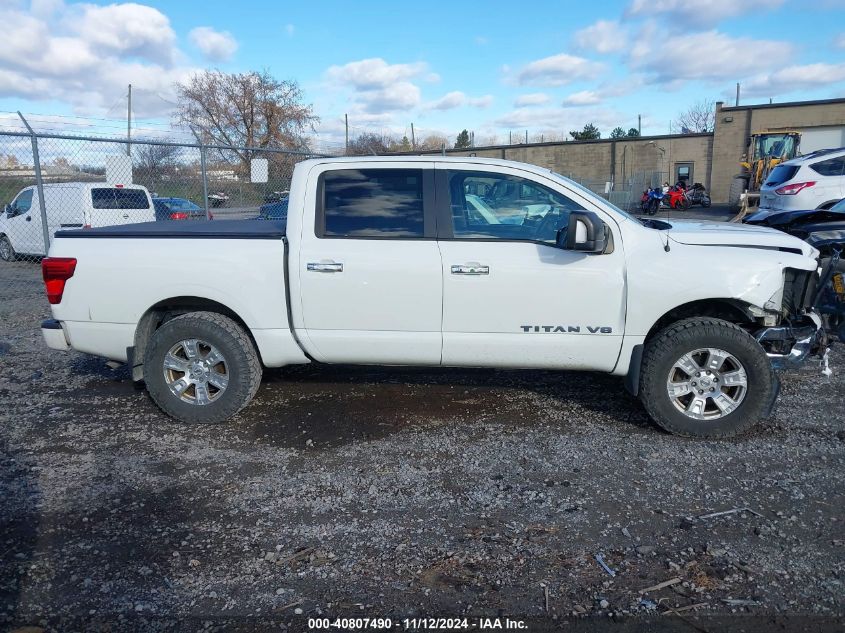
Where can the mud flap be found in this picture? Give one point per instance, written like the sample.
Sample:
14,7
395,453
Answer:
770,407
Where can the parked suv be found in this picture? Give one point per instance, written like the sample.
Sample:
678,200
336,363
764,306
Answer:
813,181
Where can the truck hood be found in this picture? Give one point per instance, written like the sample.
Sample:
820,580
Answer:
708,233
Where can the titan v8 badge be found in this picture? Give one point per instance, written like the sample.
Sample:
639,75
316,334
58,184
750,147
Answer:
592,329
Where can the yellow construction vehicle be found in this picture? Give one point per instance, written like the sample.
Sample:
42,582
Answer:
765,150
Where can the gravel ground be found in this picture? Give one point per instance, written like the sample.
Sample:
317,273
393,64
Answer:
398,492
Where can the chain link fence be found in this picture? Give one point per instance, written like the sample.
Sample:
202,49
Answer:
52,182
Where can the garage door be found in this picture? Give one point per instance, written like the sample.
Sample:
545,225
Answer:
817,138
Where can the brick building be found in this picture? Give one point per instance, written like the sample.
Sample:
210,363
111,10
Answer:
711,158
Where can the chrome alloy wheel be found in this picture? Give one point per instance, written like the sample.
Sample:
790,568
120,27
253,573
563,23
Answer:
196,372
707,384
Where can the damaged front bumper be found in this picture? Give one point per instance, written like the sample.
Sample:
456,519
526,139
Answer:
788,346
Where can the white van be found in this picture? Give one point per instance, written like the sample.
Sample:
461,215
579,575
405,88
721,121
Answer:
69,205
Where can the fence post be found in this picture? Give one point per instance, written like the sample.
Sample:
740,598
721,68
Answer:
39,183
204,181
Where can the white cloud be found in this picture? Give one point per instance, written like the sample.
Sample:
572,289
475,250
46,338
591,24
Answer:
531,99
698,11
85,55
481,102
216,46
558,70
457,99
605,36
792,78
449,101
563,119
707,55
127,29
839,42
378,86
584,97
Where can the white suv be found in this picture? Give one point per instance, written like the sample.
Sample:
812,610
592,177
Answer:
812,181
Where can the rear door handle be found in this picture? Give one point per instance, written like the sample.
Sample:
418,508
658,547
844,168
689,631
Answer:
470,269
325,267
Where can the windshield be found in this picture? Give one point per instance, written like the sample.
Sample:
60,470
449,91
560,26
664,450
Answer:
593,196
839,206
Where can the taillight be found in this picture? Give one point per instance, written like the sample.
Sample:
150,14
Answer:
210,215
56,271
178,215
791,190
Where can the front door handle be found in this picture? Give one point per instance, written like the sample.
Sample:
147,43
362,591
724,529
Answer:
28,218
470,269
325,267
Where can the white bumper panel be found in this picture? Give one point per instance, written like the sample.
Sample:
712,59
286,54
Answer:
54,335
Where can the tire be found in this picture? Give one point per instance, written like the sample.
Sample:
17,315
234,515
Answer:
745,404
705,202
737,188
7,252
684,203
203,401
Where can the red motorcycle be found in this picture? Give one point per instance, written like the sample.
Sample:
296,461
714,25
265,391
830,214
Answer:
676,198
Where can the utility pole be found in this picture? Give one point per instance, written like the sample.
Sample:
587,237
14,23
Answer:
129,122
346,122
510,137
413,138
640,124
526,137
737,93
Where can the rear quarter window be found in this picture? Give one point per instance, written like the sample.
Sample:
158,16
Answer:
782,174
113,198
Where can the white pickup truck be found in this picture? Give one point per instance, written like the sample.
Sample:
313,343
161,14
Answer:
384,261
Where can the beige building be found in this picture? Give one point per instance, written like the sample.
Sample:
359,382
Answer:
711,159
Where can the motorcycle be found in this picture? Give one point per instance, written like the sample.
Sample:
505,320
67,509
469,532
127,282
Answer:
217,199
676,198
650,200
697,194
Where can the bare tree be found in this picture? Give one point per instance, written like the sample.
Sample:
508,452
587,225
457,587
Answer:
373,143
433,141
245,110
699,117
150,159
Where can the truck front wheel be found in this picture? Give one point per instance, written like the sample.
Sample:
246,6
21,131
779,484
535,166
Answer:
201,367
706,378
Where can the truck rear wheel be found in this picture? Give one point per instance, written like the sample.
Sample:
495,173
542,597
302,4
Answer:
706,378
737,188
201,368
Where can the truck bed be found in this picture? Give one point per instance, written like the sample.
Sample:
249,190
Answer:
221,230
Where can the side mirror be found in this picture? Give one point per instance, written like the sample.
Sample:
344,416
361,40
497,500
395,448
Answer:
586,233
9,210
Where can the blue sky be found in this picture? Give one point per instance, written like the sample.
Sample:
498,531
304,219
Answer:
491,67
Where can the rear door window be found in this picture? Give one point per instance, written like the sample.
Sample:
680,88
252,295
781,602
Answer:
113,198
830,167
371,203
781,174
